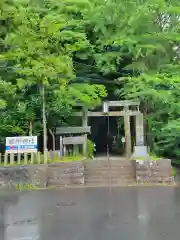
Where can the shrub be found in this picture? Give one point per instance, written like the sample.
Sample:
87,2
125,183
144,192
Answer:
90,148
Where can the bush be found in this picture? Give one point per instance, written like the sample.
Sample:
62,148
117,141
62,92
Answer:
90,148
174,172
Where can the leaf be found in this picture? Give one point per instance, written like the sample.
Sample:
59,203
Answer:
3,104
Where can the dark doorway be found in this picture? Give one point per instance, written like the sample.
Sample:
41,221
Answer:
100,136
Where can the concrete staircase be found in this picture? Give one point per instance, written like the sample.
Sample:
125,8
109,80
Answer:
104,172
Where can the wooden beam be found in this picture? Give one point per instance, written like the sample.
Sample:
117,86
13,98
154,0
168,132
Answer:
111,114
113,103
122,103
72,130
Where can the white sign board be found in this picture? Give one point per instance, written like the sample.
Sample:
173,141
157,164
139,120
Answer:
26,144
74,140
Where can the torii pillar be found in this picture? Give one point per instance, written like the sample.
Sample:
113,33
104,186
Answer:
85,124
127,131
139,130
140,150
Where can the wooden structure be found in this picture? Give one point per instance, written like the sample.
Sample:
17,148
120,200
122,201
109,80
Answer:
67,138
126,109
74,140
72,130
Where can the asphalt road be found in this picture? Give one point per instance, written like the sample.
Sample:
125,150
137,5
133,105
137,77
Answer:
128,213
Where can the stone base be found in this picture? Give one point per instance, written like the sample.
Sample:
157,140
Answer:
140,152
154,172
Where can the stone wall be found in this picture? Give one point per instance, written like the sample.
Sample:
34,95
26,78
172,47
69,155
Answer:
152,172
60,174
64,174
31,174
97,172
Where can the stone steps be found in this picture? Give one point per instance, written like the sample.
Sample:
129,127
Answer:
97,172
108,183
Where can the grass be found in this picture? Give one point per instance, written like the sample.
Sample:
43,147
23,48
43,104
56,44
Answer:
174,171
154,157
66,159
21,187
145,158
151,156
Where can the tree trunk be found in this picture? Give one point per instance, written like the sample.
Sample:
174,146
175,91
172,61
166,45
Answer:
53,138
30,128
42,90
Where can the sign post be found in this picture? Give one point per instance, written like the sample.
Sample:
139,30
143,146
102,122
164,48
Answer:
61,147
25,144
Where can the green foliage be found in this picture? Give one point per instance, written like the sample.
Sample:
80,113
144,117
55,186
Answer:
174,172
66,159
66,45
141,40
38,43
157,84
90,146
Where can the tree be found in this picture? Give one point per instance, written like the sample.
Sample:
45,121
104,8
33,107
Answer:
39,43
140,39
59,45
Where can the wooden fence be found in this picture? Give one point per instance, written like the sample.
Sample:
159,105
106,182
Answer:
26,158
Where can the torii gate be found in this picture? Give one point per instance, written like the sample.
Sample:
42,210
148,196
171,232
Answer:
129,108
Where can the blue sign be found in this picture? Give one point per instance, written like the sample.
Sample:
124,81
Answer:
21,144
